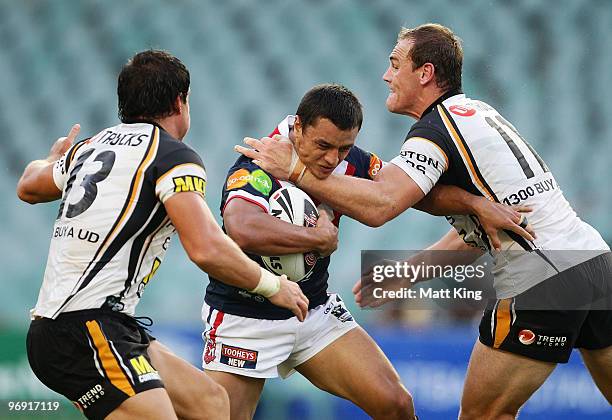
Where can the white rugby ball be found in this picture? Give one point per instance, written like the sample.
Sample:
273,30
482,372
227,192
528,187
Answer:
293,205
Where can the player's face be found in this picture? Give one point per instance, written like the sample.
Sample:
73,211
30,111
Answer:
322,145
402,80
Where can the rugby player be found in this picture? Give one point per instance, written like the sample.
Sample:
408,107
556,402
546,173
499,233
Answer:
460,141
124,192
249,340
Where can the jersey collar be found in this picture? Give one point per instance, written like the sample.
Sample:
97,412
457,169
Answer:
286,125
440,100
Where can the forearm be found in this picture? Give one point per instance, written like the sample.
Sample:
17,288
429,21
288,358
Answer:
206,244
266,235
450,250
226,262
28,187
370,202
446,200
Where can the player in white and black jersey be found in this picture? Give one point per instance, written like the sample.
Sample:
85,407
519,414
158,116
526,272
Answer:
464,142
124,192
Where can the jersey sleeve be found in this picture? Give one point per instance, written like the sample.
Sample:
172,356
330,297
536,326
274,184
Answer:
423,157
367,164
249,182
178,171
60,167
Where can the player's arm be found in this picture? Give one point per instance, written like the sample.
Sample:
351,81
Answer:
372,202
37,184
260,233
397,187
215,253
445,200
464,254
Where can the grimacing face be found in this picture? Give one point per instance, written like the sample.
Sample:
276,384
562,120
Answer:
402,80
322,146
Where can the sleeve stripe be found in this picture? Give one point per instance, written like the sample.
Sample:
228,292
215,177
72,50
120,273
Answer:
439,148
176,167
247,197
417,180
70,156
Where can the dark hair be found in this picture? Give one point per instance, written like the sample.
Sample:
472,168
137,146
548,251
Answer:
438,45
334,102
149,84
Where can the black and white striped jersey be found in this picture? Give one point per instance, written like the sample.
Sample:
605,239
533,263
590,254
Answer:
465,142
112,230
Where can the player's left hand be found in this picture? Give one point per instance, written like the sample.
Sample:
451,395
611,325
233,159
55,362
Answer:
496,216
275,155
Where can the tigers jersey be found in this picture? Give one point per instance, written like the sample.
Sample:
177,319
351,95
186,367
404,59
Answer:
247,181
112,230
467,143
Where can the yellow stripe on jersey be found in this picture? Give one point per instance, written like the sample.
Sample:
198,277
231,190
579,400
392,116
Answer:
74,150
134,191
466,157
503,322
439,148
176,167
109,361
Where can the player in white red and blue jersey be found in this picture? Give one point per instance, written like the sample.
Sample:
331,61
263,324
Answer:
554,291
249,340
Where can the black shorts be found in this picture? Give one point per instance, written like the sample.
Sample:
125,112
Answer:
96,358
569,310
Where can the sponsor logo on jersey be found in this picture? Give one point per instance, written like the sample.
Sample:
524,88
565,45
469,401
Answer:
375,165
189,183
337,309
418,160
462,111
261,181
90,397
258,179
238,179
238,357
528,337
143,369
209,350
310,258
145,281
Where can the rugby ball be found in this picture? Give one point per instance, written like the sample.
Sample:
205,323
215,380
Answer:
293,205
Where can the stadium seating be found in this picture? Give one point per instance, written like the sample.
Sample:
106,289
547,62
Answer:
545,68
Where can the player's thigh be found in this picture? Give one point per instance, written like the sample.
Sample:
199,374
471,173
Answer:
152,404
194,395
355,368
599,363
243,391
498,383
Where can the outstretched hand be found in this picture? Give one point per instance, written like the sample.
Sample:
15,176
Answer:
497,216
275,155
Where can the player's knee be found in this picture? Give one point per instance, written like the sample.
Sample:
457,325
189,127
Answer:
219,405
211,403
396,403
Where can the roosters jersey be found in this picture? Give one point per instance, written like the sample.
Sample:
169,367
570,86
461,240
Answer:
247,181
112,230
465,142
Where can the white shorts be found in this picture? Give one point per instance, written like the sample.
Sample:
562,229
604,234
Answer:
266,348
